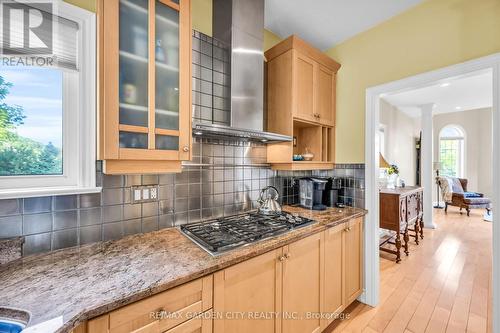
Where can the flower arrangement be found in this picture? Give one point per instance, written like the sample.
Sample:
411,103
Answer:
393,170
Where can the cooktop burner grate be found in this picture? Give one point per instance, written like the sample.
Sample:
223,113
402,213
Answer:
230,232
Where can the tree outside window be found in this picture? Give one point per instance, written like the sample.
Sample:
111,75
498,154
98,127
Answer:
30,121
451,151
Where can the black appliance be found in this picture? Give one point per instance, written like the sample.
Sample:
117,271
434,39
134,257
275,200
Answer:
311,191
226,233
332,192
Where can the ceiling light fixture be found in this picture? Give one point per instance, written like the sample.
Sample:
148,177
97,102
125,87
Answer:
446,84
458,108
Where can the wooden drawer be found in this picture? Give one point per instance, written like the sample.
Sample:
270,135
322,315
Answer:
159,313
201,324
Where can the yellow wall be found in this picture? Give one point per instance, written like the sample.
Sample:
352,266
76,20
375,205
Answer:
86,4
434,34
270,39
201,11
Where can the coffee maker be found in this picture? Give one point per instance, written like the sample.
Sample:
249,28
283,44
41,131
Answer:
311,192
332,192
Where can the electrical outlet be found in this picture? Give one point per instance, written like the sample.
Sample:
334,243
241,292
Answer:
137,194
144,193
153,193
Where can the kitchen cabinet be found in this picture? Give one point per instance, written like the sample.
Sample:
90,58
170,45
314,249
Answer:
325,95
343,267
251,287
303,284
169,311
334,272
144,85
287,282
301,85
293,288
353,260
304,90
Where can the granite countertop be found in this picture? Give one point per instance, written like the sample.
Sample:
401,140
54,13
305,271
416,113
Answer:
64,288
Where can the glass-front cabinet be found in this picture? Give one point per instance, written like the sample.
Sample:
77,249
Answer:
144,85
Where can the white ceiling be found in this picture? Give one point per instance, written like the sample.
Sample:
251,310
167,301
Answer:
325,23
474,91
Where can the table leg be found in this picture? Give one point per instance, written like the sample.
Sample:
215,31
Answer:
398,247
417,230
422,227
406,238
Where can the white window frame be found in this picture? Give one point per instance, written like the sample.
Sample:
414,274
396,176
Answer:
461,151
79,128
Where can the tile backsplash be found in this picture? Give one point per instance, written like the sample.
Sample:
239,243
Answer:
211,80
227,181
198,193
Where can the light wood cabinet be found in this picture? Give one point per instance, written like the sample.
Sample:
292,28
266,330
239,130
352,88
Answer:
169,311
286,284
144,85
343,273
334,273
251,287
295,288
325,95
353,260
303,285
304,87
301,84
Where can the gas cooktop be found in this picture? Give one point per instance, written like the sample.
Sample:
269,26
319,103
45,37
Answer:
227,233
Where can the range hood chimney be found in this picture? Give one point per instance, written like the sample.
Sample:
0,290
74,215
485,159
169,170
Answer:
240,24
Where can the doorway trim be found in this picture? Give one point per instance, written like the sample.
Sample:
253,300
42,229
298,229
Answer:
372,118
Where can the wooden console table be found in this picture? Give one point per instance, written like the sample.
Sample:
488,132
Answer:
401,209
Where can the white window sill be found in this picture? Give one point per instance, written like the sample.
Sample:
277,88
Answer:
46,191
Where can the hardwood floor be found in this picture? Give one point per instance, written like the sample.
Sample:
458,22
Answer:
443,286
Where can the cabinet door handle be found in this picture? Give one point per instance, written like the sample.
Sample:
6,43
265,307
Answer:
185,149
281,258
287,255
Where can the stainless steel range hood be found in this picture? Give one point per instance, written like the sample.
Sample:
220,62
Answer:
240,24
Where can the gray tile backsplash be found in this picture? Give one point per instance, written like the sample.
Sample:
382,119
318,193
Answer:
211,80
197,193
51,223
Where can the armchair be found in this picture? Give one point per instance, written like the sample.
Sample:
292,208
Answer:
468,200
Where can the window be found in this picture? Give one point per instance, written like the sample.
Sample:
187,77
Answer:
451,151
47,100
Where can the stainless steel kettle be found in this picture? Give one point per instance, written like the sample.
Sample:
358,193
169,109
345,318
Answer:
269,205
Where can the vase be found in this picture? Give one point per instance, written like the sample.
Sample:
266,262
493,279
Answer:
392,180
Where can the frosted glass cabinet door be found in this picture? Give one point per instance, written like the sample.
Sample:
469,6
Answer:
167,71
133,65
